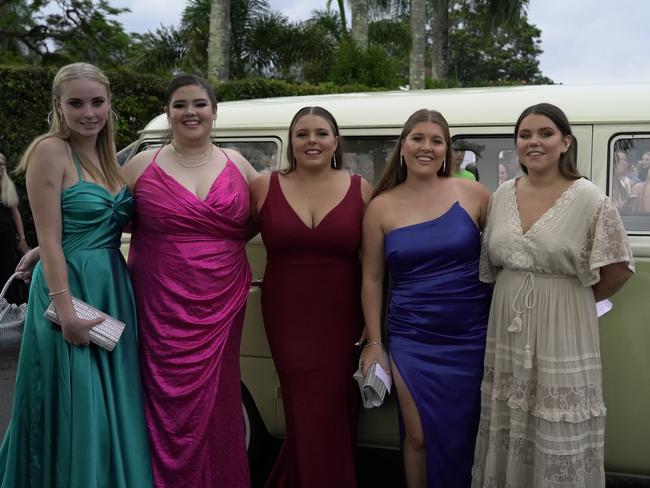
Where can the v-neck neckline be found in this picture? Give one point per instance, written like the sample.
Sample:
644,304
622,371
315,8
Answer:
338,204
548,215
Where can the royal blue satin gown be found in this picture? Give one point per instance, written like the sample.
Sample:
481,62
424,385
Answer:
437,322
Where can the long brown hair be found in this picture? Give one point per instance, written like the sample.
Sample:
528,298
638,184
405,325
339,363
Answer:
568,159
109,171
395,172
337,157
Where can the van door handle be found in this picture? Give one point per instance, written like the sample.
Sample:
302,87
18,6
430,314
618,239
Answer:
257,283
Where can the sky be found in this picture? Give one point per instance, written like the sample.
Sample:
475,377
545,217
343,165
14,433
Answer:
584,41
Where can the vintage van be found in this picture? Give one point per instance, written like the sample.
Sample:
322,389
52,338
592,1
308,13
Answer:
609,122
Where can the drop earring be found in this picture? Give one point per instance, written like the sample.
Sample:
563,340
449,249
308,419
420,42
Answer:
401,161
334,161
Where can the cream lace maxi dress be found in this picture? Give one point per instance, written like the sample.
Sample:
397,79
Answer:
542,413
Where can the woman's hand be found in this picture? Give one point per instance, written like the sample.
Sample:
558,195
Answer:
27,263
373,352
75,330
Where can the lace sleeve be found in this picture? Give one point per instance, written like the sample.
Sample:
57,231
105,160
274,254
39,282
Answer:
607,243
487,272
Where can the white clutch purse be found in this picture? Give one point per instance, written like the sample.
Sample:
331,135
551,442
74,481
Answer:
373,386
105,334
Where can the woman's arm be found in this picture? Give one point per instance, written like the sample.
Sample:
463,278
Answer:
258,191
372,285
612,279
18,221
44,177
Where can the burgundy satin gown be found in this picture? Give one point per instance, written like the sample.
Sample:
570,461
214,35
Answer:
191,280
311,302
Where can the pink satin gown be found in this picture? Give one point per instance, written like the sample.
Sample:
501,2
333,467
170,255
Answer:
191,279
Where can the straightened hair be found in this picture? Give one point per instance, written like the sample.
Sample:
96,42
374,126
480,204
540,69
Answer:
109,171
8,193
394,172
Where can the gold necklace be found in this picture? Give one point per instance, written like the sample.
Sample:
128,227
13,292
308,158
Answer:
200,160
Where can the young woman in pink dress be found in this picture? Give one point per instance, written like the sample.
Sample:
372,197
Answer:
191,279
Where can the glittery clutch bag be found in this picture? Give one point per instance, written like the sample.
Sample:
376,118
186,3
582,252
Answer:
105,334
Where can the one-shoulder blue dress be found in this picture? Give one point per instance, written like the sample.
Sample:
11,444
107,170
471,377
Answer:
437,321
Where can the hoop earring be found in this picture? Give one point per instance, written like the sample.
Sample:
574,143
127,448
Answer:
49,118
401,161
334,160
444,165
115,116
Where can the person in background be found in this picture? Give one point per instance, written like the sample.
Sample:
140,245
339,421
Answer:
456,170
12,232
621,185
472,168
554,245
424,228
310,219
503,173
77,418
191,279
641,191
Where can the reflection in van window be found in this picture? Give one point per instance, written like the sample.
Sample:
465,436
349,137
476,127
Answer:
630,182
492,157
263,155
366,156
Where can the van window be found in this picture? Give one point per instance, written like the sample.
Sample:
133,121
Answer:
629,188
366,156
494,156
262,154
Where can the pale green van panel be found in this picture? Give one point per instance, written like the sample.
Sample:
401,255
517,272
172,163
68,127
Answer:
625,351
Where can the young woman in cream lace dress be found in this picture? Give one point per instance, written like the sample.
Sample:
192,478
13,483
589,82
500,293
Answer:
553,246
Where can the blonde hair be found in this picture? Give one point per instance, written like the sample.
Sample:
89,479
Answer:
8,193
110,172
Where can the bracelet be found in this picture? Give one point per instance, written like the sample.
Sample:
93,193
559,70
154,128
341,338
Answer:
373,343
52,293
22,238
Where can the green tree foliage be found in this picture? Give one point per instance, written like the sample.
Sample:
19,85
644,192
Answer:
484,53
77,29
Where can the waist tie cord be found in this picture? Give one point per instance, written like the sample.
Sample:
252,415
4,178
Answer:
524,300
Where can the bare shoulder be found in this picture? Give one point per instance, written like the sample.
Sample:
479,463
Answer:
260,187
380,205
134,167
242,164
366,190
472,190
50,156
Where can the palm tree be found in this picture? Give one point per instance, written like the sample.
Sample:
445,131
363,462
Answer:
359,26
219,40
418,44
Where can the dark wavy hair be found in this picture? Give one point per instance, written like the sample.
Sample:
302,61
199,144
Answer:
568,160
337,157
394,172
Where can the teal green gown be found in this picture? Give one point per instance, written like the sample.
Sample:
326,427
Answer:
77,418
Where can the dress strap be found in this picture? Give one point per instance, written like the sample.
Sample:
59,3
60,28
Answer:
77,164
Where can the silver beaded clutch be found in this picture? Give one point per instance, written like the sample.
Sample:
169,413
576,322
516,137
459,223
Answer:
105,334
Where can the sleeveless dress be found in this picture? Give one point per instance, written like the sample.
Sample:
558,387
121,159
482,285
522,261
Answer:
77,416
311,304
437,319
191,281
542,411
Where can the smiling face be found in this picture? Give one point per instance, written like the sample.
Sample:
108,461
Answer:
313,141
424,148
84,106
540,144
191,113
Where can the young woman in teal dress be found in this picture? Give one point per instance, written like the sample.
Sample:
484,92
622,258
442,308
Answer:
77,417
